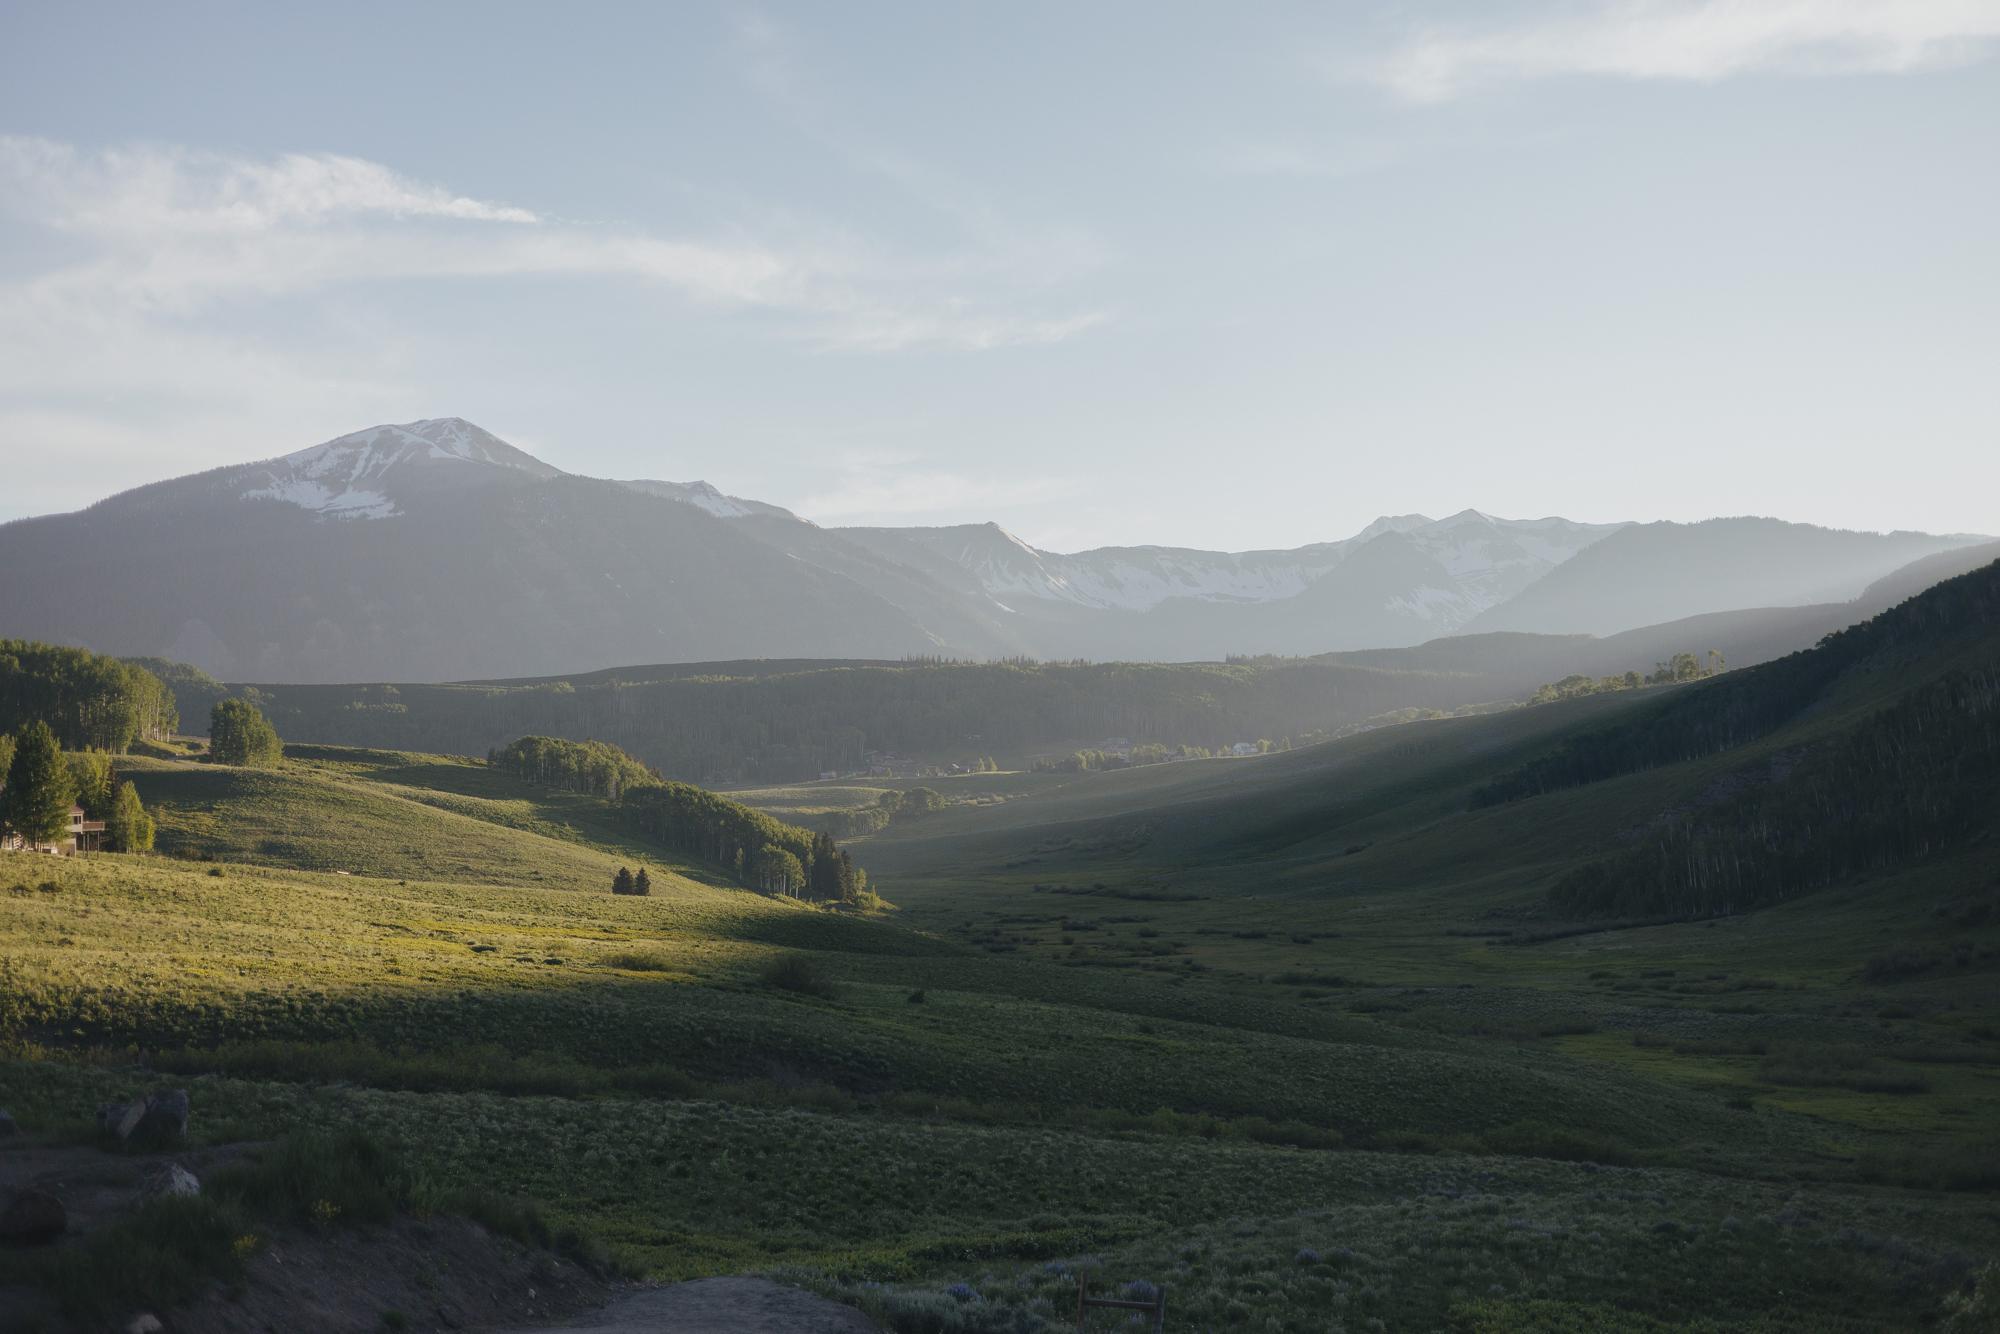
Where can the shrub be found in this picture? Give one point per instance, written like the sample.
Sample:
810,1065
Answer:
319,1178
638,961
797,973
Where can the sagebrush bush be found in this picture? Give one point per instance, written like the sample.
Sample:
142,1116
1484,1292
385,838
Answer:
798,973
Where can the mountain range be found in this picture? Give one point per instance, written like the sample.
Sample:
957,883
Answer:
434,550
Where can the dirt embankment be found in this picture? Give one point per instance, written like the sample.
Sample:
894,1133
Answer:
436,1274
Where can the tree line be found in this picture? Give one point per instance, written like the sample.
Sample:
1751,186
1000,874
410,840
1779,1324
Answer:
89,701
749,845
1681,668
717,729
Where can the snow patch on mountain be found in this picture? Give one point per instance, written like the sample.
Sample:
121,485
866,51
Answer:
706,497
320,499
1482,560
353,477
1138,578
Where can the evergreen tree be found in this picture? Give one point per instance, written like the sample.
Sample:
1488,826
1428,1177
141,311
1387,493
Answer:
823,871
642,883
39,792
239,734
622,882
130,827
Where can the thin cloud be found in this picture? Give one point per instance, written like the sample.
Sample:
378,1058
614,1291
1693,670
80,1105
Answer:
145,191
1705,40
169,231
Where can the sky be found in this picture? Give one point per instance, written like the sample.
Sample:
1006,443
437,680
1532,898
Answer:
1199,275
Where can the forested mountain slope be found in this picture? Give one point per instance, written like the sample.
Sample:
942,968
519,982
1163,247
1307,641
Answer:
1876,750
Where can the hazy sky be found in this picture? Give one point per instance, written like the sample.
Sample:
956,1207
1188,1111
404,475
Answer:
1210,275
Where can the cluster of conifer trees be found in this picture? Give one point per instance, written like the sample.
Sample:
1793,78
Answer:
750,845
39,784
627,882
89,701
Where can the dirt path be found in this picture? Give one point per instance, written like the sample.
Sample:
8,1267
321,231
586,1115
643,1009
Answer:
715,1306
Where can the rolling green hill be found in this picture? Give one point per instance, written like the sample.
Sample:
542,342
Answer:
1301,1037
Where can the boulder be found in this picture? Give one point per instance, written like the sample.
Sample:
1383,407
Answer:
164,1119
32,1216
151,1121
144,1324
7,1127
173,1179
118,1118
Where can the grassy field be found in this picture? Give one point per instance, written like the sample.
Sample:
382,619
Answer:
1270,1032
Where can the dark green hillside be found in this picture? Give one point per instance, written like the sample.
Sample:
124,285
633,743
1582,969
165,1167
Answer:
1920,637
769,727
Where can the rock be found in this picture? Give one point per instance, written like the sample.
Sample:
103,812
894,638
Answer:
155,1119
144,1324
173,1179
164,1119
7,1127
32,1216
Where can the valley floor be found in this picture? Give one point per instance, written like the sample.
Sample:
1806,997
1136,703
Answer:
1363,1107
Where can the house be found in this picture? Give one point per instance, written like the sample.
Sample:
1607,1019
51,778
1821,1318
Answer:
83,836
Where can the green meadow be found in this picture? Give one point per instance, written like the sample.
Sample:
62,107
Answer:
1298,1037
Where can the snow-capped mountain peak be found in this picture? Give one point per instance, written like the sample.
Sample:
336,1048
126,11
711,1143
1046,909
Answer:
357,476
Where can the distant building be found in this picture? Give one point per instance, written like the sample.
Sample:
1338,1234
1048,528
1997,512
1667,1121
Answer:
1246,748
83,836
